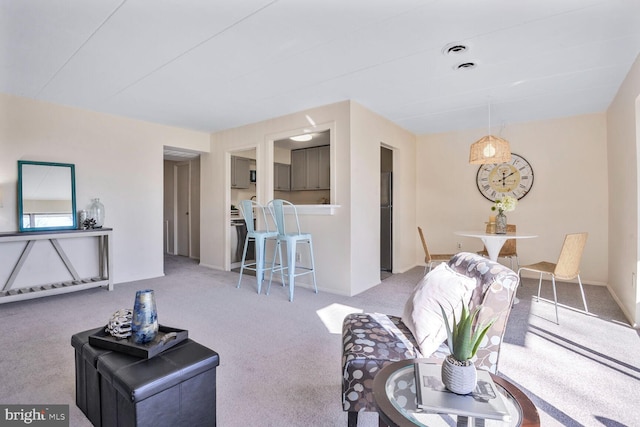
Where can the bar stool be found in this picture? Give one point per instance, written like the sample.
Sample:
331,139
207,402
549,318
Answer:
260,237
292,239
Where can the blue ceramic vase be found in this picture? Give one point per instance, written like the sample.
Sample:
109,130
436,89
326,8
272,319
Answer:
144,325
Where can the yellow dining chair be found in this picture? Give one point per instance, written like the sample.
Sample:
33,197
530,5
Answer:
567,267
508,250
429,258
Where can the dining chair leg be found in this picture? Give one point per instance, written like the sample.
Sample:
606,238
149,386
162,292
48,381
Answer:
539,287
555,297
282,267
291,266
277,250
313,267
259,263
244,257
584,300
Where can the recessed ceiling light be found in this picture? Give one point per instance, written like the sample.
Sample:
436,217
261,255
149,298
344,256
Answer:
302,138
454,48
465,66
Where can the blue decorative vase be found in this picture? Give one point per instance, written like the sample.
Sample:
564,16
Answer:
144,325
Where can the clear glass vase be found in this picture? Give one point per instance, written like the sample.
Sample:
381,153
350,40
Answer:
501,223
96,212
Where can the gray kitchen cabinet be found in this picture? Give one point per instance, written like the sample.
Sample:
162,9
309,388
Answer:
239,172
324,168
313,168
310,169
299,169
281,177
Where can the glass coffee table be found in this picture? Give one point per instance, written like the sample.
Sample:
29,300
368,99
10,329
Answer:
394,390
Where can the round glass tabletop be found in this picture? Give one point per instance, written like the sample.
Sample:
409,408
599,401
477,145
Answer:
395,394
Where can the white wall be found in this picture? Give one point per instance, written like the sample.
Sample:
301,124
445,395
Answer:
116,159
346,244
331,232
369,132
623,119
579,162
569,193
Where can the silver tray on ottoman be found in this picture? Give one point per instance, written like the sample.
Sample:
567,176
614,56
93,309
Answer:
167,337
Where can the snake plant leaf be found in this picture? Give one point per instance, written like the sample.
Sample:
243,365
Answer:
446,324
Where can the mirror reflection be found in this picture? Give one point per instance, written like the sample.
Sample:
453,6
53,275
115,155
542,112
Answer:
46,196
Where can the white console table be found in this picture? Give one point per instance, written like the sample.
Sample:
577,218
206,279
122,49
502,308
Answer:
104,278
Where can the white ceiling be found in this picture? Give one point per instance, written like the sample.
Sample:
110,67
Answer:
216,64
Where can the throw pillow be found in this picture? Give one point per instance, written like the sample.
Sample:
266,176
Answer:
422,314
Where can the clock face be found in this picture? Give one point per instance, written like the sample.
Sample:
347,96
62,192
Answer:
513,178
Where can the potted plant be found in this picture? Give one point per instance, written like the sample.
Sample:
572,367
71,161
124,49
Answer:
464,337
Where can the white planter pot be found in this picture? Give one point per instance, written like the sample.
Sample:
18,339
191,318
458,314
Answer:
459,377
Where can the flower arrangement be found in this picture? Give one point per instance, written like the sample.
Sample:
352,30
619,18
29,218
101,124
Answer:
506,204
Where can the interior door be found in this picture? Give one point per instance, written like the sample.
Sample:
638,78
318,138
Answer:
182,206
386,221
386,209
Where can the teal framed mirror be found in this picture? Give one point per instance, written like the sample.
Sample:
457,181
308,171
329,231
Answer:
46,196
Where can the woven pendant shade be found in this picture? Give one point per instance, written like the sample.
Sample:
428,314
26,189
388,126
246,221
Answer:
489,149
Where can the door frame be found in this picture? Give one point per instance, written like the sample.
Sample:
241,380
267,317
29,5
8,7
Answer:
393,203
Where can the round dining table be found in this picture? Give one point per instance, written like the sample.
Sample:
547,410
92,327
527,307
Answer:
494,242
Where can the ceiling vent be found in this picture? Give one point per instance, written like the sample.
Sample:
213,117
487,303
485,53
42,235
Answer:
465,66
454,49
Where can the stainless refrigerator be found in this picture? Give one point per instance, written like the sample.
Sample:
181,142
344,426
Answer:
386,218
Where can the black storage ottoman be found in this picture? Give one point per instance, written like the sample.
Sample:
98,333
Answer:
87,377
175,388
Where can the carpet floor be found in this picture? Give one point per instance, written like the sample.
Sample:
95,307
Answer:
280,361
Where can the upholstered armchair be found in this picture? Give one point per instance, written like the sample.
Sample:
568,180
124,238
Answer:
372,341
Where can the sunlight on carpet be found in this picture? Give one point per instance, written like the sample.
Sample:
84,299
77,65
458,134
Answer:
333,315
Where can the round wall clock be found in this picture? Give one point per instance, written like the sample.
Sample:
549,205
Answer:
513,178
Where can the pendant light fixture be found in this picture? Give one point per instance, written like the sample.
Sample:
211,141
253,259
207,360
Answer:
489,149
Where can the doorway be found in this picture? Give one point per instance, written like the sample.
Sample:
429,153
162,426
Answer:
244,180
386,209
181,203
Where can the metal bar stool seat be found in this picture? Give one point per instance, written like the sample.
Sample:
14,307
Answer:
260,237
292,239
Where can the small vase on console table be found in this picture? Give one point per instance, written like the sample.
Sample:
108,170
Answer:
96,212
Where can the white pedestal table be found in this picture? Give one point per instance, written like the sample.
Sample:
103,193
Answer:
494,242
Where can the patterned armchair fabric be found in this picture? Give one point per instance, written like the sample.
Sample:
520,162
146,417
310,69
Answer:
372,341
